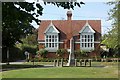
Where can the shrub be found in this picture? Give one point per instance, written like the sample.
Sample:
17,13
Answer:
61,52
80,53
42,52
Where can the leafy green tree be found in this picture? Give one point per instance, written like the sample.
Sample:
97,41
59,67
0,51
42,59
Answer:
112,38
16,19
18,16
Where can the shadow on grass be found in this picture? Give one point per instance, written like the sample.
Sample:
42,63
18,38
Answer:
19,66
87,66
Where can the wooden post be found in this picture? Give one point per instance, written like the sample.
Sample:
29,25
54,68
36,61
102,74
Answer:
85,62
61,62
75,62
90,62
57,62
80,61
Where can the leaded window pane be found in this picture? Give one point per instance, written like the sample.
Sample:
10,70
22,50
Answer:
52,44
49,44
51,41
47,36
46,40
86,41
53,36
91,44
55,44
55,40
46,44
50,36
85,44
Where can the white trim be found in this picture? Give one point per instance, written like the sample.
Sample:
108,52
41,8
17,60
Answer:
97,42
77,42
51,44
60,42
51,25
86,41
41,42
44,42
86,25
51,49
94,42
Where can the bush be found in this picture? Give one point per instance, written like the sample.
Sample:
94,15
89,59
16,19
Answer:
14,54
31,50
61,52
80,53
42,52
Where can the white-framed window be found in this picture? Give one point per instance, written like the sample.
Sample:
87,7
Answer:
51,38
87,41
87,37
51,41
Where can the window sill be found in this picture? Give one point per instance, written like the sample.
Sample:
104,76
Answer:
51,49
87,49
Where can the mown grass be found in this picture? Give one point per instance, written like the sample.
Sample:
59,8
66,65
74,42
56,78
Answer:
108,70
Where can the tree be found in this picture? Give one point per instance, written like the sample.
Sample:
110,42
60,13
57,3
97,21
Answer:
16,21
112,38
18,16
67,4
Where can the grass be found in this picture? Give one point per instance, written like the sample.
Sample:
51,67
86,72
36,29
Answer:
110,70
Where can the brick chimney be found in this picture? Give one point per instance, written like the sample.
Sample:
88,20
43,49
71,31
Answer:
69,15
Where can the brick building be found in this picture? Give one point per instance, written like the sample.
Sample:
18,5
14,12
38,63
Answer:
69,34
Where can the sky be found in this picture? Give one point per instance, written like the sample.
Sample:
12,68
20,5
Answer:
90,11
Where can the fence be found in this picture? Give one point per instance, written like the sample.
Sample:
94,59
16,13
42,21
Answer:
84,62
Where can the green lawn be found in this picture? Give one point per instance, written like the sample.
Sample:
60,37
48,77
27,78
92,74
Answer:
110,70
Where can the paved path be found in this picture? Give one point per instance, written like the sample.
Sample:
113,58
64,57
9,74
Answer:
17,62
22,62
12,63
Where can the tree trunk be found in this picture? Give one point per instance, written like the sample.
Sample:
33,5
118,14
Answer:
7,55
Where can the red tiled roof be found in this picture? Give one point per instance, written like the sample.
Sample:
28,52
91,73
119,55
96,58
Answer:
68,28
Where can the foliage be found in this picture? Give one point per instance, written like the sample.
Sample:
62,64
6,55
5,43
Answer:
61,52
18,16
112,38
15,54
66,5
16,20
30,49
80,53
31,39
42,52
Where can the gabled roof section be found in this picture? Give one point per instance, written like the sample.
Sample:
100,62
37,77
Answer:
51,29
65,27
87,29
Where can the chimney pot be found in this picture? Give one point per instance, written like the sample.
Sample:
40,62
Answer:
69,15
